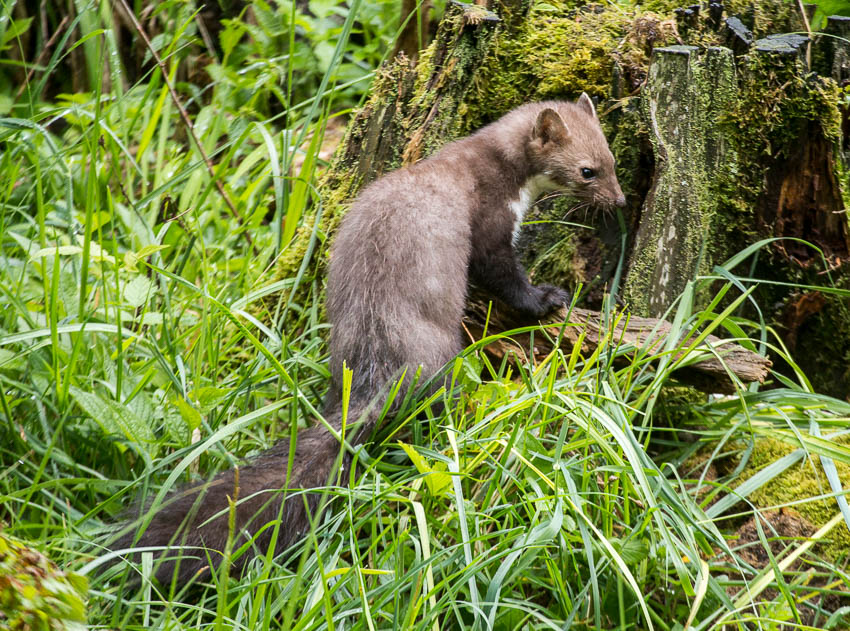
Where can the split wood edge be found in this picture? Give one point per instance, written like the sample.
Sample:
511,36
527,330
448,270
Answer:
714,365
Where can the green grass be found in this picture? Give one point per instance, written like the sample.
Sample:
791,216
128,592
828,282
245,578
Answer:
138,351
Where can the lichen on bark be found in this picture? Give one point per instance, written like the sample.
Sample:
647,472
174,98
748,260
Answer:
687,94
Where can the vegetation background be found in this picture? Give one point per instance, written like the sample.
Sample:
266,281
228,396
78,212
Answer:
156,161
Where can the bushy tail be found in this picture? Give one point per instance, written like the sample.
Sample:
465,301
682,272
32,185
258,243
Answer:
197,518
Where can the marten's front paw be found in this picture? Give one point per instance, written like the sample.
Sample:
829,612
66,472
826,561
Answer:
552,298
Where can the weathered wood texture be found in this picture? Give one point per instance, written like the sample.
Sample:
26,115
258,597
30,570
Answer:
721,367
803,196
835,47
413,110
688,91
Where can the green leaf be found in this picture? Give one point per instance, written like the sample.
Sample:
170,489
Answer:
634,551
146,251
115,418
230,35
190,415
176,427
15,30
62,250
152,318
137,291
10,360
209,396
435,477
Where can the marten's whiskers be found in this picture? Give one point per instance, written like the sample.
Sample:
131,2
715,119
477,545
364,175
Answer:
582,205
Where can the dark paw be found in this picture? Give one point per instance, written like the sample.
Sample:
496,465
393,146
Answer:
552,298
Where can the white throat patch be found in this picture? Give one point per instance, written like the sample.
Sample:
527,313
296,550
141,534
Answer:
530,190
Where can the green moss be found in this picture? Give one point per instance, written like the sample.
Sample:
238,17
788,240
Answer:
776,103
675,406
560,52
800,482
770,16
438,104
628,138
777,98
688,92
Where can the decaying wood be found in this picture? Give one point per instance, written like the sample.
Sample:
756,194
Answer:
688,92
717,149
803,197
410,116
647,336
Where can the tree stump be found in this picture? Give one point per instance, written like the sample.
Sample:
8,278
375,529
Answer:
688,92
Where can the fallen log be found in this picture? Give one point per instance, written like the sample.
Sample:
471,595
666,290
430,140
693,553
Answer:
725,362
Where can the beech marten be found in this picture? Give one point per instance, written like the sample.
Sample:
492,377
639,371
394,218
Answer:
396,291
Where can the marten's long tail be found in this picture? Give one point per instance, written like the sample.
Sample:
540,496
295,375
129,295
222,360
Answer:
193,522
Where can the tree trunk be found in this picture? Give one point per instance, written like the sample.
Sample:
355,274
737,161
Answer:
687,94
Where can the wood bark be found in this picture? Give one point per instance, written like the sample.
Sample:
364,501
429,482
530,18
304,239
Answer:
722,367
413,112
688,92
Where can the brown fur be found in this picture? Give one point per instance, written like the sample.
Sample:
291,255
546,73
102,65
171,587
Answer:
396,293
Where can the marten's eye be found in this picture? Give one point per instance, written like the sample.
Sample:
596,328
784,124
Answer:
588,174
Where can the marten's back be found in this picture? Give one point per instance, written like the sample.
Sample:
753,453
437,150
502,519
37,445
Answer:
398,273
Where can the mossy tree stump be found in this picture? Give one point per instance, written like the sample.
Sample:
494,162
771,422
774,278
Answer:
717,149
719,131
688,92
413,110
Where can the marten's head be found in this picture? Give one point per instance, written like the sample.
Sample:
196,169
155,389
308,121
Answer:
567,145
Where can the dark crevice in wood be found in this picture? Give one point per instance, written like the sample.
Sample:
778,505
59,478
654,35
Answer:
803,200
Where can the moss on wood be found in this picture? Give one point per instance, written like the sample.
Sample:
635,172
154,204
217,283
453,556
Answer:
560,51
687,95
412,112
477,70
474,73
803,480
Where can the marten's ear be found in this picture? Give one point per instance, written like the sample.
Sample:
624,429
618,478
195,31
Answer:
586,104
550,127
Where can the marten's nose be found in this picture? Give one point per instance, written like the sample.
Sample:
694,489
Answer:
621,201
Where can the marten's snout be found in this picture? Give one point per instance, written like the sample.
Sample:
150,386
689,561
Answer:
620,201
